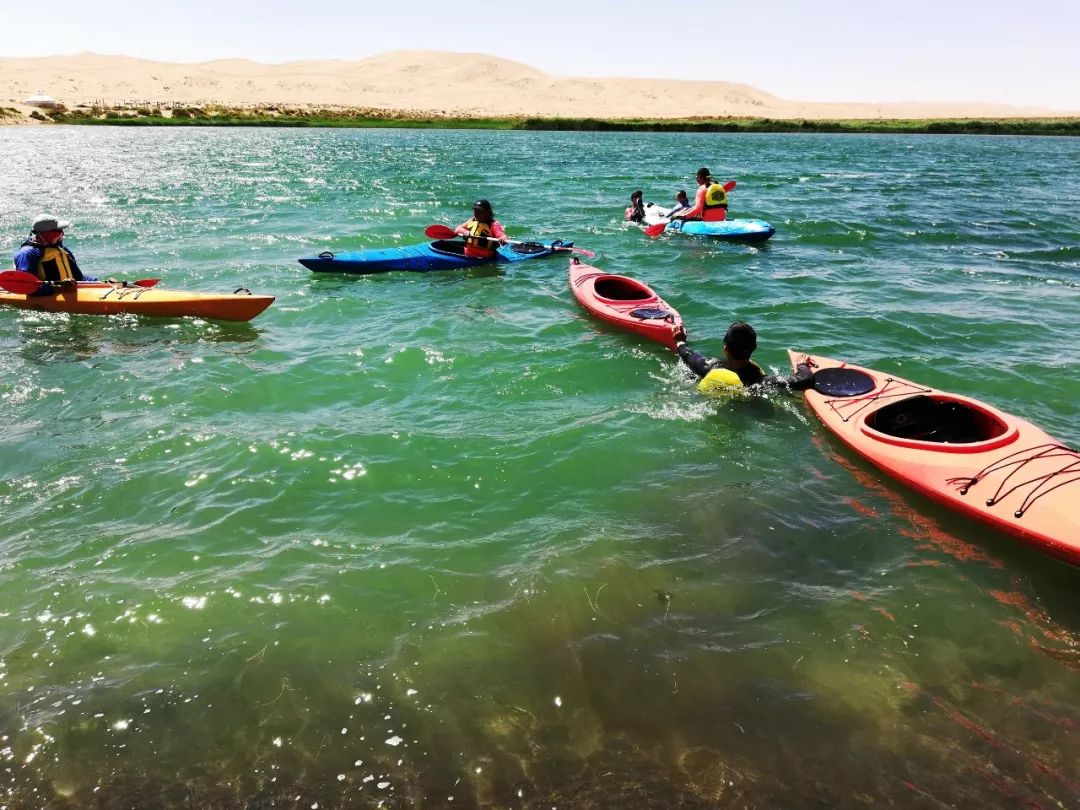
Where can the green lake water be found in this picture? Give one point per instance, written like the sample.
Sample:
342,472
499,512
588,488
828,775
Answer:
442,540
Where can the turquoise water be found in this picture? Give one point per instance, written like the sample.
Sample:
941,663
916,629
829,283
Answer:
442,540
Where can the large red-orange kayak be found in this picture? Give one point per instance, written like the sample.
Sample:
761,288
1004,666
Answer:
627,303
102,298
963,453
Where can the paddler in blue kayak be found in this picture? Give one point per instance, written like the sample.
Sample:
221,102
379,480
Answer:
736,369
711,202
43,254
483,234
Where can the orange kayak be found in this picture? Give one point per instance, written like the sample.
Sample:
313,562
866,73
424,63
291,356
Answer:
627,303
102,298
982,462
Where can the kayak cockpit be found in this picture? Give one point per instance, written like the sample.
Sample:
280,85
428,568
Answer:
620,288
940,422
452,246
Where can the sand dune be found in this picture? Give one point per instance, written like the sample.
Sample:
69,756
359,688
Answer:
428,82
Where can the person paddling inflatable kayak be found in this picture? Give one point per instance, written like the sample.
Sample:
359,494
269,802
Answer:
736,370
711,202
707,217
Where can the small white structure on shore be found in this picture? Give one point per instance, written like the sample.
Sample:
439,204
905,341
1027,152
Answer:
39,99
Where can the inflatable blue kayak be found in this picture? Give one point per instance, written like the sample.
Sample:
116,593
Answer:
442,254
733,230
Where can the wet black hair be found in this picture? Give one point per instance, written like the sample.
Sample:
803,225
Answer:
740,340
485,208
636,195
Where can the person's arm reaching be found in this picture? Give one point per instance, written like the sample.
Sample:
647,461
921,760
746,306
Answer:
698,363
800,380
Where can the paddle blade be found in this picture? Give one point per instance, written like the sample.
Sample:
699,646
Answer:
655,230
18,282
588,254
439,232
728,186
146,282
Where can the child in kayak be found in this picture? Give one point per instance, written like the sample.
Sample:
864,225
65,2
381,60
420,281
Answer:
736,369
682,203
43,255
482,233
711,202
636,211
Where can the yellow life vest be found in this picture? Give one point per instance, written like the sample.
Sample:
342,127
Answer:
54,265
720,382
477,228
715,196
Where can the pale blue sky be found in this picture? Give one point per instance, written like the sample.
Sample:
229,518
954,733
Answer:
834,50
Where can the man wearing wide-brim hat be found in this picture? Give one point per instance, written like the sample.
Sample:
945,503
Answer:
44,255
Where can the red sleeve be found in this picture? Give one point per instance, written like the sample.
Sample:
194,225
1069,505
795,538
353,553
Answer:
497,230
461,230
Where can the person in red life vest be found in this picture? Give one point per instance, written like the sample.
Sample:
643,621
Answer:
636,211
483,234
711,202
43,254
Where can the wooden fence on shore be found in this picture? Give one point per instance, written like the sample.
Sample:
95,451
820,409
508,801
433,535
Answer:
160,104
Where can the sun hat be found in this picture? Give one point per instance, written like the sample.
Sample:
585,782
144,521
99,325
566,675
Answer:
44,223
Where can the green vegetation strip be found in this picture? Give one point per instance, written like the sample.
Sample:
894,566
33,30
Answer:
277,117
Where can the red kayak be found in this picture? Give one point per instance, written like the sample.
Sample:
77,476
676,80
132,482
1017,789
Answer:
626,303
965,454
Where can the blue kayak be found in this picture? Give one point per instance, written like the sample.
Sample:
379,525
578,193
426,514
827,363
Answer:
443,254
733,230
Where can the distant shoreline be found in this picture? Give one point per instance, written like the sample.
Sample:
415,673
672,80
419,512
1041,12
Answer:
450,89
367,118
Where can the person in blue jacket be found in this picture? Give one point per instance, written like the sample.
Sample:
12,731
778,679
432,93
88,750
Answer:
43,254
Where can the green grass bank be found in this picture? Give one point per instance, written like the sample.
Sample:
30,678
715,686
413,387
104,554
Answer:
370,118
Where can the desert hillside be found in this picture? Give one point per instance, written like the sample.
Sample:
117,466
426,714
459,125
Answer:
428,82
